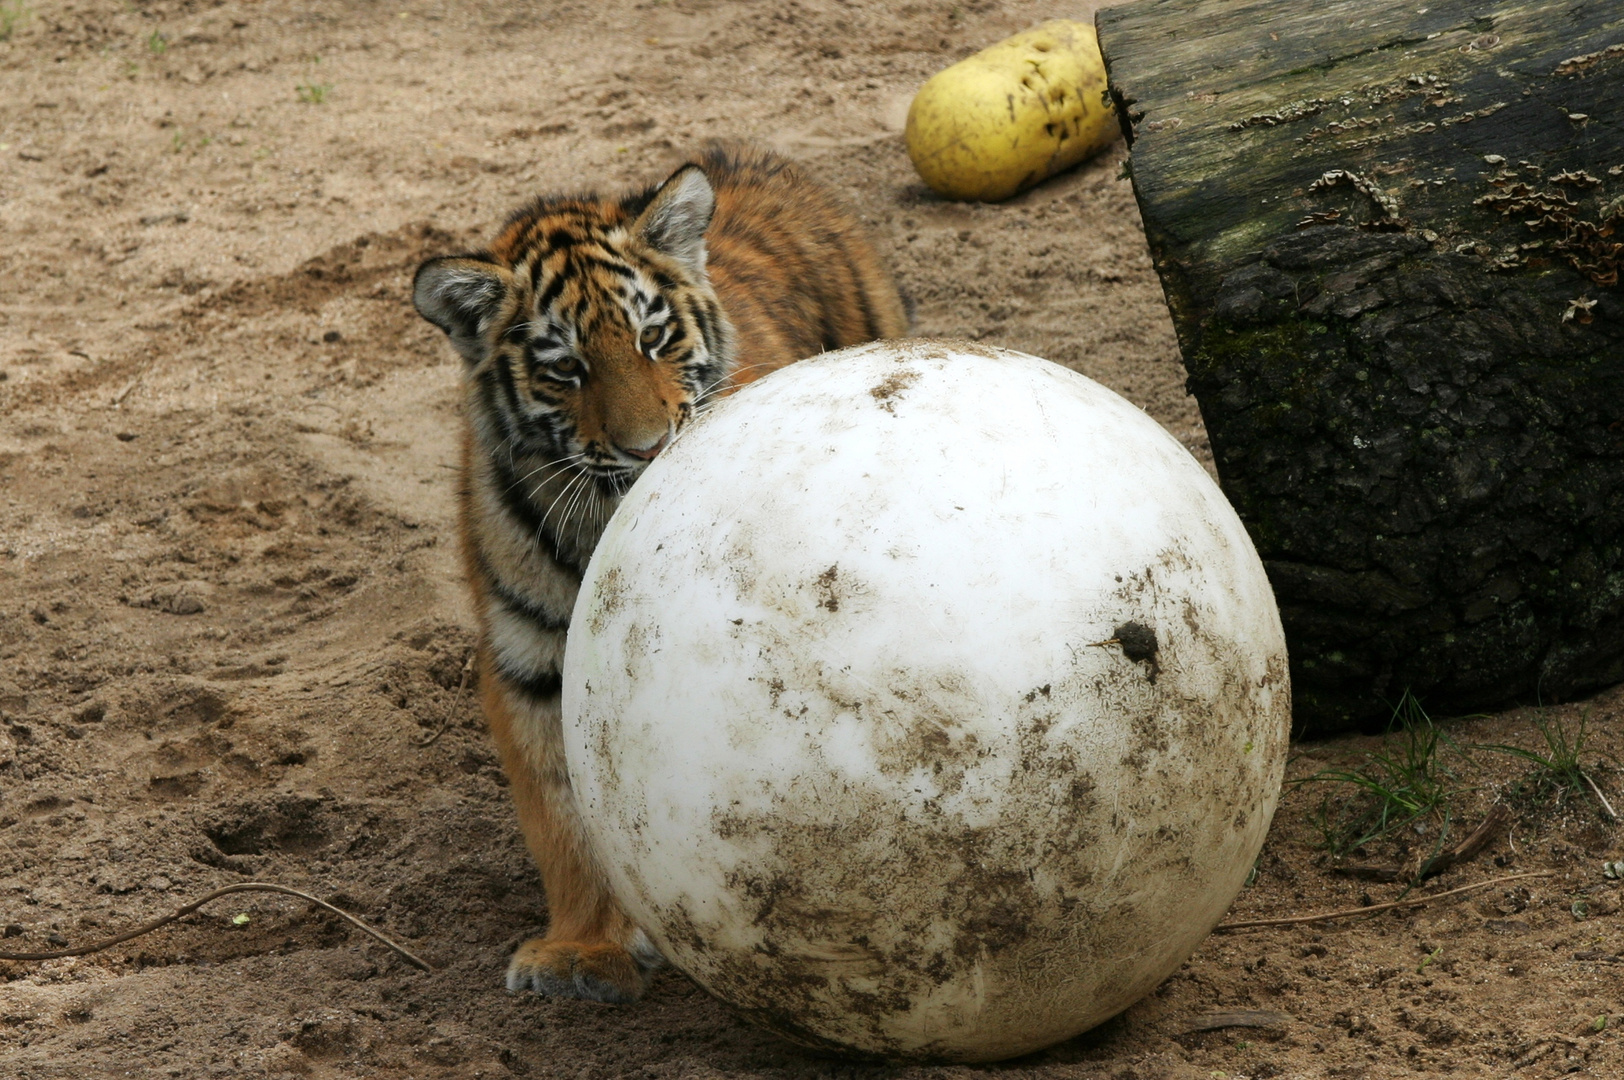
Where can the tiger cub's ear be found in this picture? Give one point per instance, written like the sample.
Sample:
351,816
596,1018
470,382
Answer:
462,295
675,222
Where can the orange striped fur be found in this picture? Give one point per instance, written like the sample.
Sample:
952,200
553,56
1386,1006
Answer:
594,330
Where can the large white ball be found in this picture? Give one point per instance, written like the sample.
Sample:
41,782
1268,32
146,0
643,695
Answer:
926,700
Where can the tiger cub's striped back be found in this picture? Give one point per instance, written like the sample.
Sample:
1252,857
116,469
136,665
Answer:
593,330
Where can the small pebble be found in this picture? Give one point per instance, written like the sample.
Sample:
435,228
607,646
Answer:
331,336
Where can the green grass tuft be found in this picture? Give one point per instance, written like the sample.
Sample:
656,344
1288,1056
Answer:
313,93
1557,772
1396,785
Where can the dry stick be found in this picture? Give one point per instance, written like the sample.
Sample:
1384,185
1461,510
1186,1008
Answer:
1469,848
1605,805
182,912
1414,901
1437,864
467,666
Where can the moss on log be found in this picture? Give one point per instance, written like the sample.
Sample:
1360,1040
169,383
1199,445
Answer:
1391,236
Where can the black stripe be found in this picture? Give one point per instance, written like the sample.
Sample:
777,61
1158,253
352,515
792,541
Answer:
775,246
521,606
870,325
508,487
542,686
718,329
618,269
524,511
502,372
826,329
490,385
707,325
513,500
551,292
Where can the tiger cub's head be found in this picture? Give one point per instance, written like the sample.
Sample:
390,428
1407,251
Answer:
589,327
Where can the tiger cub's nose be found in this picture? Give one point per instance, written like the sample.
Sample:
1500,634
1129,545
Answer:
647,453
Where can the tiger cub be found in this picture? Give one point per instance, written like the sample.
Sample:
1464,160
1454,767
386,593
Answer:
594,330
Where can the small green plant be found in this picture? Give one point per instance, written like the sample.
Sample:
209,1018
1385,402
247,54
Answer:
1396,785
1556,772
157,44
13,13
313,93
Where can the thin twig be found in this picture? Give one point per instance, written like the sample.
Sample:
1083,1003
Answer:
1348,913
445,724
185,910
1612,815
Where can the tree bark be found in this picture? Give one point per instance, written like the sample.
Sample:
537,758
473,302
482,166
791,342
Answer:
1391,236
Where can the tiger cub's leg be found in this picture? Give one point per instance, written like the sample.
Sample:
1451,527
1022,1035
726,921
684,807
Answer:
592,949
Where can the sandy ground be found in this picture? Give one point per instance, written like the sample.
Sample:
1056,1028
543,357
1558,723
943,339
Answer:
232,629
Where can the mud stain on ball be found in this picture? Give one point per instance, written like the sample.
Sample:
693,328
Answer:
889,387
828,588
607,599
1138,641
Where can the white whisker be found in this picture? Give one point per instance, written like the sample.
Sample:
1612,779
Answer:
706,391
572,512
560,461
573,481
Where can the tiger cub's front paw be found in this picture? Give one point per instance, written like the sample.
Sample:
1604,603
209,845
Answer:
593,970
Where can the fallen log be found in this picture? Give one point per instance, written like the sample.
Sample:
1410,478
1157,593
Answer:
1390,235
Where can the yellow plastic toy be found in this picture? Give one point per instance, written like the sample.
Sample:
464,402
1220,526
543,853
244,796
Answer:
1013,114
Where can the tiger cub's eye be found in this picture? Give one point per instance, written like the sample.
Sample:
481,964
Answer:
650,336
567,366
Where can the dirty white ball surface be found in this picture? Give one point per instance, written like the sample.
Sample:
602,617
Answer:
926,700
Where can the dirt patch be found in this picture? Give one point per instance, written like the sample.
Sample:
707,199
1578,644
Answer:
891,386
231,608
